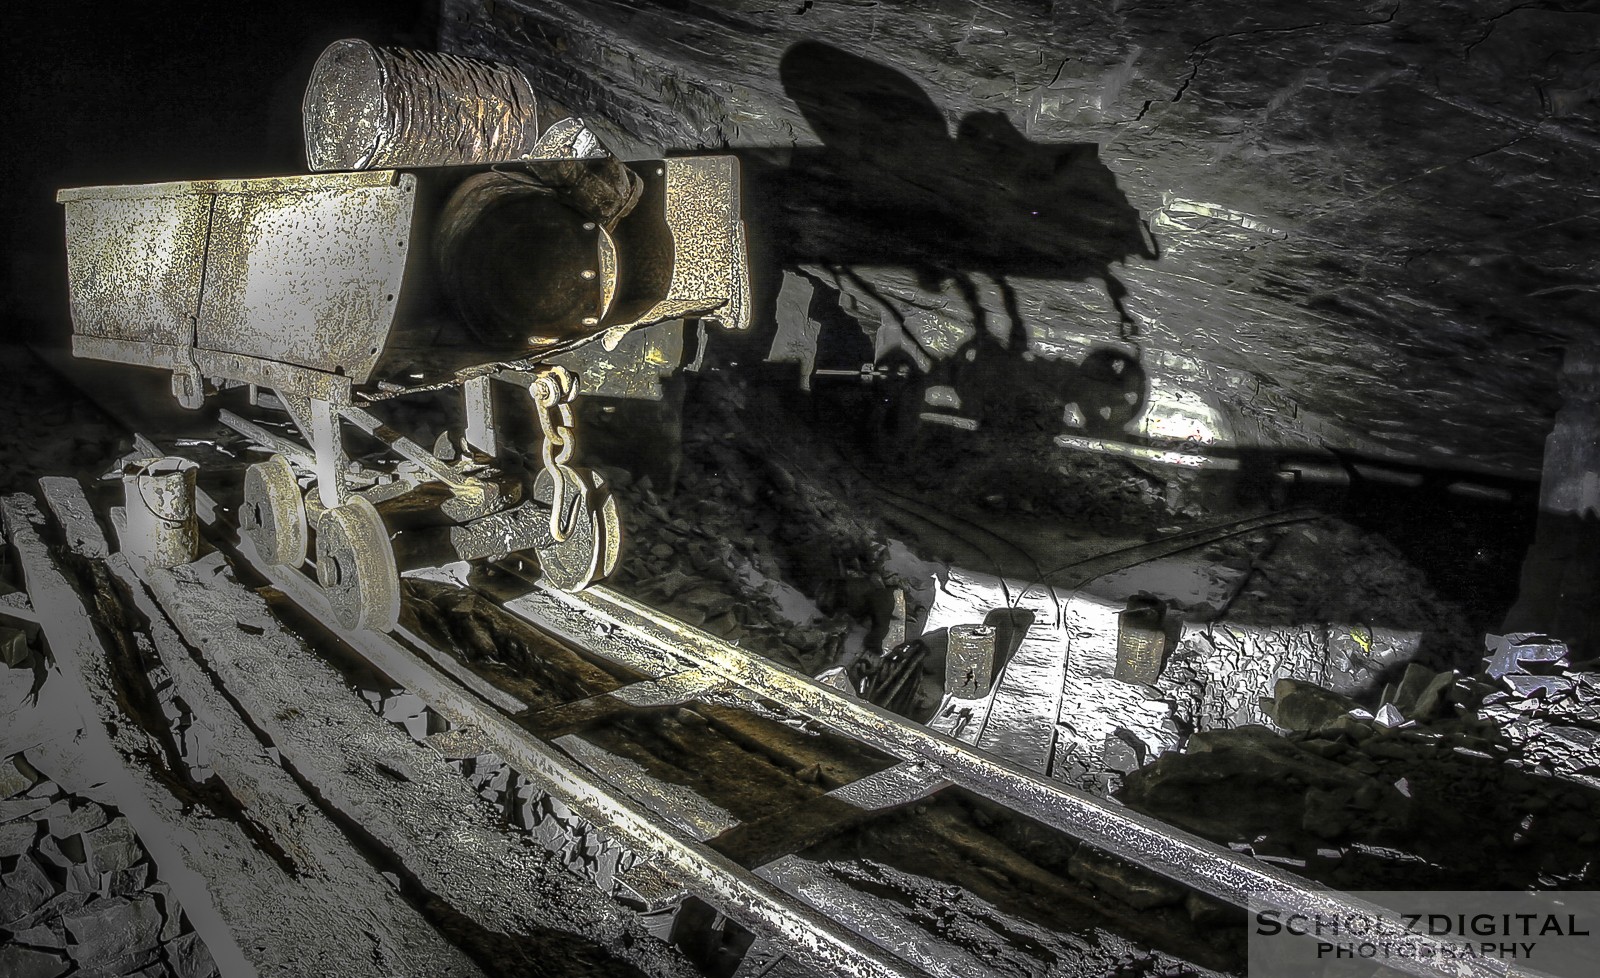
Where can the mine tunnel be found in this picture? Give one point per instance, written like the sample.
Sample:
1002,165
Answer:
497,487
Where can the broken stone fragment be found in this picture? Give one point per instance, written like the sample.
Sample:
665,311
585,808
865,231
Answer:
460,743
14,649
1348,726
710,600
1388,716
1431,701
1512,652
1303,706
50,933
49,913
1538,687
112,847
1122,752
50,853
17,837
14,780
171,914
111,929
1406,692
24,889
399,707
126,882
26,962
66,821
189,957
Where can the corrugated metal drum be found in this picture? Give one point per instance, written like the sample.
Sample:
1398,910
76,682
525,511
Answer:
368,108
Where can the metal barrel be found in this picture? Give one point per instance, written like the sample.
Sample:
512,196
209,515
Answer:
159,496
526,270
369,108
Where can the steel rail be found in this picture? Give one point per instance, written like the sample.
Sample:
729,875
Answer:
1148,842
802,931
613,625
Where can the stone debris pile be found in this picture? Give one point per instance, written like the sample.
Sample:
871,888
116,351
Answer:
581,848
79,894
1373,798
1549,713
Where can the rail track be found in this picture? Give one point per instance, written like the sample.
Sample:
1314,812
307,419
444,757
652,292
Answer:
744,859
1074,574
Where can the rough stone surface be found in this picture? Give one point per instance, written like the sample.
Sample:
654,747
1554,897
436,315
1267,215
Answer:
17,837
1359,803
1350,203
110,929
112,847
1304,706
24,889
27,962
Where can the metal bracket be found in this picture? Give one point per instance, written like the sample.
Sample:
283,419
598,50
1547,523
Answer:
319,425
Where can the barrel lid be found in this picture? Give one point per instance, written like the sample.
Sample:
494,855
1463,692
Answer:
341,108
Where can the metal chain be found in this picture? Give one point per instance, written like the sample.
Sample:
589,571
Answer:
553,392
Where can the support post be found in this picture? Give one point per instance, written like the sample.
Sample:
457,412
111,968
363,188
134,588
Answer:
1561,573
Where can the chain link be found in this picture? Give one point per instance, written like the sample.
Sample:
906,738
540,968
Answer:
552,392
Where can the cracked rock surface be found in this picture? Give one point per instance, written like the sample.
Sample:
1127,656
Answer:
1379,213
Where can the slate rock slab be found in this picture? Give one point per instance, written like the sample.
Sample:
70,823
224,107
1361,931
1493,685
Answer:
25,962
110,929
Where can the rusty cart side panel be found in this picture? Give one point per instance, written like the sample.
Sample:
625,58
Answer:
134,265
251,275
309,273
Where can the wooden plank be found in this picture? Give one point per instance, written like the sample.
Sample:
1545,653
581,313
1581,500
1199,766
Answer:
753,902
403,793
826,816
187,853
1016,718
1137,838
65,498
1021,723
357,911
650,694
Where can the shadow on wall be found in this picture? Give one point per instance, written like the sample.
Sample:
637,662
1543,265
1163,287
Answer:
890,186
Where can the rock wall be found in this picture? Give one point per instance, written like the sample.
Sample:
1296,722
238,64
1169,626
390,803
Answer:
1375,220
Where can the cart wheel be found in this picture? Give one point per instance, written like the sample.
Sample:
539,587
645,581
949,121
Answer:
608,523
576,562
273,517
355,566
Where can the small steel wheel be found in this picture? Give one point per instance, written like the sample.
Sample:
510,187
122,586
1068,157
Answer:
1111,391
273,516
355,566
577,561
608,524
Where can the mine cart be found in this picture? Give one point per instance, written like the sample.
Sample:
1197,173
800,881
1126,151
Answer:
565,271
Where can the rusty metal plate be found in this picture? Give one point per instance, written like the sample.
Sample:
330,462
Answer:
704,214
307,270
134,261
709,263
634,368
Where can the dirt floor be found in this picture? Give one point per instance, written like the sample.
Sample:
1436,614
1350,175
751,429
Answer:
786,523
